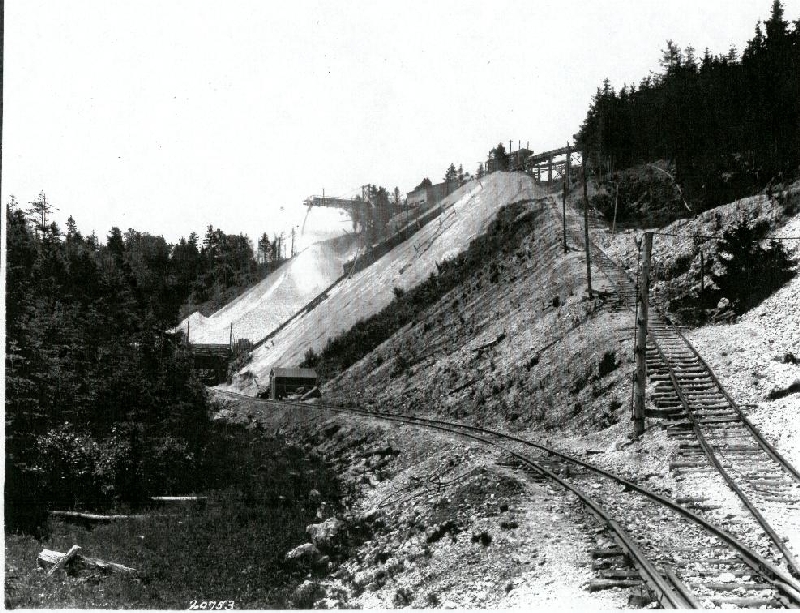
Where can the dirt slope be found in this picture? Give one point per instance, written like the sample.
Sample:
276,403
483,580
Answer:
468,212
516,343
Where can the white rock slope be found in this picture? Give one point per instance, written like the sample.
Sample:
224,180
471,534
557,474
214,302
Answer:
468,212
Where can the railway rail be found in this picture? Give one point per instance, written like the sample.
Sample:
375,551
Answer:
717,440
684,560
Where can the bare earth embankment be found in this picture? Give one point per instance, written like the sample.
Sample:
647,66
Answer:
516,346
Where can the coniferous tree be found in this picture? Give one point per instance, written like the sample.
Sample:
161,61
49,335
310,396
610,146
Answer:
727,125
750,272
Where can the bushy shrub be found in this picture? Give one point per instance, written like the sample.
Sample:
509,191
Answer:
77,470
751,272
642,193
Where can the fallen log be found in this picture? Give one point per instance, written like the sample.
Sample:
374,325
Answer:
64,560
94,517
54,560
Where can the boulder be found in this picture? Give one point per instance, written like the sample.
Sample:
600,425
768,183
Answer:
327,534
304,552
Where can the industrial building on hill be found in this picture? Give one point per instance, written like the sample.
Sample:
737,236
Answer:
432,194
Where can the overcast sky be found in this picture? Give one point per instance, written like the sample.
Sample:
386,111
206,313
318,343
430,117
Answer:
168,116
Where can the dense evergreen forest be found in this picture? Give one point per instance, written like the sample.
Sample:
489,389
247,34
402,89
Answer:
102,406
727,125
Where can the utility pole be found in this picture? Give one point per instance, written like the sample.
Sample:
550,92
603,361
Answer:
291,251
586,229
564,199
641,338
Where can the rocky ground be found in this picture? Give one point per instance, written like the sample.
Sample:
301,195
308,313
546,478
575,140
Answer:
432,521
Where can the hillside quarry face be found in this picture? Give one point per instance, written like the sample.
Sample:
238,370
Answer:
262,308
467,214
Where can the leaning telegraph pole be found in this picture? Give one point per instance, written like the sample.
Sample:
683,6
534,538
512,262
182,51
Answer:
641,338
586,225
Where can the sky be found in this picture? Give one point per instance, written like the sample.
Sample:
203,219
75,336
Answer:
167,117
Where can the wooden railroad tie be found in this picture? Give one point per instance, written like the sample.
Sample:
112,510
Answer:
744,602
605,584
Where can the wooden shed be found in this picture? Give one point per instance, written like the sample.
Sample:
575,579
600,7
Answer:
283,381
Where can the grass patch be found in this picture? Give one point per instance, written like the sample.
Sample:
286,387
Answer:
233,549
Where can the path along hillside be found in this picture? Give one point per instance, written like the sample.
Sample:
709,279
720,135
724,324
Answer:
268,304
467,213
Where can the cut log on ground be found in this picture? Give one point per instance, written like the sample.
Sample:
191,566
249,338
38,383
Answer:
55,560
165,500
64,560
93,517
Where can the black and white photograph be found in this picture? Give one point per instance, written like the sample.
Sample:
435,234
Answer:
401,305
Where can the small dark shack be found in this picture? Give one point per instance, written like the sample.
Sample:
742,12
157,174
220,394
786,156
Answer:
283,381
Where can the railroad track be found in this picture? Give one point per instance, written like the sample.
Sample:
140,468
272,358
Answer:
688,561
683,560
717,443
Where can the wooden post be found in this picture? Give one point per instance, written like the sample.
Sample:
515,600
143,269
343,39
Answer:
586,230
550,169
702,272
641,338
